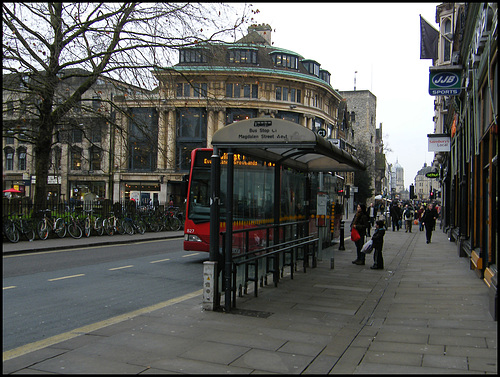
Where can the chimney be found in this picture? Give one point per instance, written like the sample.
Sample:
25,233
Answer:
264,30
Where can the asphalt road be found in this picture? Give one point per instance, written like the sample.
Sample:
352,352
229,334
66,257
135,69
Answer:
49,293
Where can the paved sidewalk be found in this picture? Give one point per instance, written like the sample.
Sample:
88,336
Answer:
426,312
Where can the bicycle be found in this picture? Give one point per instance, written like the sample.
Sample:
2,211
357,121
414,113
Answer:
25,227
112,224
96,224
173,222
47,224
136,224
73,227
10,230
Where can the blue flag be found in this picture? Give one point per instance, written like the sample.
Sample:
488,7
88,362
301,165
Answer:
428,40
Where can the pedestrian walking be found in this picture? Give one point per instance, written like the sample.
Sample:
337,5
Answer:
395,216
429,219
378,244
420,213
360,223
408,216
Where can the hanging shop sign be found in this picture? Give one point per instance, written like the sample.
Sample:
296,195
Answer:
432,174
445,82
438,142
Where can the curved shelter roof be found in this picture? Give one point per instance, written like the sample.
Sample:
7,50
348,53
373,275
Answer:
286,142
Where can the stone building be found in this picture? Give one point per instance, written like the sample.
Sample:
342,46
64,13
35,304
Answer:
362,108
144,152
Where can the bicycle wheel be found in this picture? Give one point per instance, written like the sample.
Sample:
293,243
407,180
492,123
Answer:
11,232
109,227
175,223
42,229
27,229
119,226
127,227
140,226
60,228
99,227
87,230
74,230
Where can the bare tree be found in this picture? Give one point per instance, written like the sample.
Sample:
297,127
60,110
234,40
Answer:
43,44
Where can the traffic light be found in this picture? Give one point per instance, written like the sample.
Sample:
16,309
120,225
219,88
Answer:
340,192
347,191
412,191
431,195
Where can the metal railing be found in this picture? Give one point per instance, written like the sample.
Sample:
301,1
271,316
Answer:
292,245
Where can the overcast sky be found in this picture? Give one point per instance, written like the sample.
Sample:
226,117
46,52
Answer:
381,41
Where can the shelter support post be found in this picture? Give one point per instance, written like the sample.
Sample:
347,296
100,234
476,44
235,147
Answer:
229,231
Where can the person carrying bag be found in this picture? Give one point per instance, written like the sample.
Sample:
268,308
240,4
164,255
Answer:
359,224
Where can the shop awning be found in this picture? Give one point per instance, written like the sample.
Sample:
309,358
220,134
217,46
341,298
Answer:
289,143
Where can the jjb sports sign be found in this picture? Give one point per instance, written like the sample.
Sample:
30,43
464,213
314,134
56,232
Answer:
444,82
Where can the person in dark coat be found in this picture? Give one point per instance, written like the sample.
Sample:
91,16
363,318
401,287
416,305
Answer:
429,220
360,223
395,216
378,244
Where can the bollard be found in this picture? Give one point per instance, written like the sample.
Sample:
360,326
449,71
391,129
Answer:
341,246
332,263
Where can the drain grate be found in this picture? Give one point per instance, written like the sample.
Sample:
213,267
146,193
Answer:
251,313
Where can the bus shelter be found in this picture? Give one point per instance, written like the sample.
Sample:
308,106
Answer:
281,142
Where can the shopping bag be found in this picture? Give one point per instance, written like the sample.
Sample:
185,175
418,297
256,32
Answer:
367,247
415,222
355,235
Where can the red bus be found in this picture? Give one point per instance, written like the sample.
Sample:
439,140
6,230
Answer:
252,197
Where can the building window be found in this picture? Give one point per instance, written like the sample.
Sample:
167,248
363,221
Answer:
179,90
95,132
242,56
95,154
255,91
76,158
285,60
191,55
229,90
55,158
324,75
192,124
9,159
246,91
278,93
96,102
235,115
249,91
143,139
187,90
76,135
285,94
21,158
200,89
312,67
447,35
